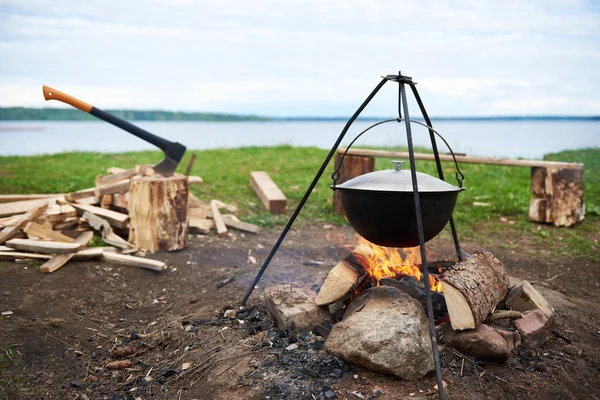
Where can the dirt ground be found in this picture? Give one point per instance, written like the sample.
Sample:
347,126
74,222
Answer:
57,340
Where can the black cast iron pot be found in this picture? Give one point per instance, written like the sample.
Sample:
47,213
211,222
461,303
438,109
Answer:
380,206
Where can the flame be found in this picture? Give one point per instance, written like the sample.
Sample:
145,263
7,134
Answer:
386,262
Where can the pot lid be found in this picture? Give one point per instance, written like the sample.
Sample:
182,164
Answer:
396,180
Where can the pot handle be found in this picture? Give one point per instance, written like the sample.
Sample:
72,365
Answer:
459,175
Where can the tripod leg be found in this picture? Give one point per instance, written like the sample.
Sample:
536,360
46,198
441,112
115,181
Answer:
438,164
309,190
425,277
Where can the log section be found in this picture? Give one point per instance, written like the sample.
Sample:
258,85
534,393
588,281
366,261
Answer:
557,196
158,212
473,289
352,166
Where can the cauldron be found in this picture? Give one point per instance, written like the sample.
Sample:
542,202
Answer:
380,206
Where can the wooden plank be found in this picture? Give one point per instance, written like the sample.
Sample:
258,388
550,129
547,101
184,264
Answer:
21,207
132,261
117,187
80,194
9,198
462,159
58,261
219,223
13,255
231,222
90,201
198,212
38,230
58,212
114,178
115,219
43,246
193,201
66,224
200,225
7,233
86,254
269,194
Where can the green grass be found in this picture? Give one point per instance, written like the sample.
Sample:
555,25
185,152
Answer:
226,175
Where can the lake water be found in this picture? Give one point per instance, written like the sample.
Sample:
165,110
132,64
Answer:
525,139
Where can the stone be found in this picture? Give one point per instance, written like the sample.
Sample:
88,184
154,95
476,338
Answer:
384,330
511,337
230,314
293,307
534,328
483,342
524,297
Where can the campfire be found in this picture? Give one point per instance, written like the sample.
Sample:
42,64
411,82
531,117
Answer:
377,309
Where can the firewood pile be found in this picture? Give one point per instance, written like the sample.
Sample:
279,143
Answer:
122,209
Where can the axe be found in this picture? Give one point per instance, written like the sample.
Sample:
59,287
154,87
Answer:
173,150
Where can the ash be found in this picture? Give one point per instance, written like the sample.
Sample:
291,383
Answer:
293,365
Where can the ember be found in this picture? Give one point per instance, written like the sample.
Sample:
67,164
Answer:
386,262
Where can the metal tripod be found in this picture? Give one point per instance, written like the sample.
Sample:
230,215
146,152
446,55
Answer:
402,109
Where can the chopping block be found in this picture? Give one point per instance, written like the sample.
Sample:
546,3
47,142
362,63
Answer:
158,212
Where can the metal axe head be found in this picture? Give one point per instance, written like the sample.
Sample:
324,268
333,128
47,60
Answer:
173,154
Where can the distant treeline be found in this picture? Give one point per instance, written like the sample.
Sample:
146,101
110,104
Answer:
72,114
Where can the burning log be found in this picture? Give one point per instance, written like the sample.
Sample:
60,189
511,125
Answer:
473,289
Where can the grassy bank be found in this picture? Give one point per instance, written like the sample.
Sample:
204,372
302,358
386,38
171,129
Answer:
226,176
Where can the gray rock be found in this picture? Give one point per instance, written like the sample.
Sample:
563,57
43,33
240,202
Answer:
293,307
384,330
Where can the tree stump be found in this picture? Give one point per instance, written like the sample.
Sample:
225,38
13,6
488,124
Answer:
352,166
158,212
557,196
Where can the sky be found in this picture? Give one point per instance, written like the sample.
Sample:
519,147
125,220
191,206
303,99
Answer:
304,57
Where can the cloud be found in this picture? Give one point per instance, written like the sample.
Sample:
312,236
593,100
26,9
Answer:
305,57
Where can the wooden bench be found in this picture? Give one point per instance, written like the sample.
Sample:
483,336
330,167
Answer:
557,187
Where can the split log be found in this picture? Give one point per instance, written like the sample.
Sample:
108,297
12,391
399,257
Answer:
198,212
40,231
90,200
115,219
219,223
195,180
132,261
69,223
340,281
232,222
106,201
80,194
103,227
523,297
117,187
194,202
8,233
267,191
58,261
473,289
503,314
158,212
352,166
81,255
116,170
557,195
43,246
58,212
115,177
201,225
119,200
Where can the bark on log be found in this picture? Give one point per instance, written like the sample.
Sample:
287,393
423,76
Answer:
557,196
158,212
473,289
352,166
